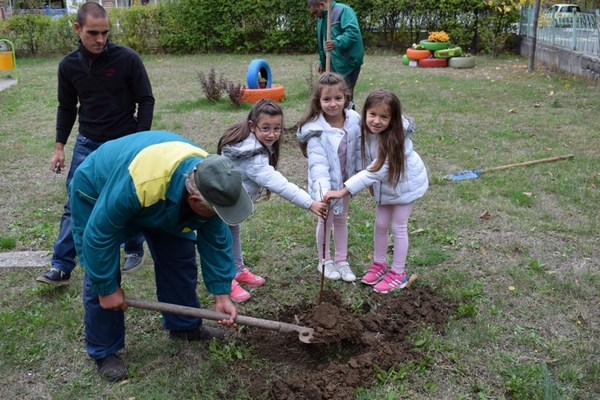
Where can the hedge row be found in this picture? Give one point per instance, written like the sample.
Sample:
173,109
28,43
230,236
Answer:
265,26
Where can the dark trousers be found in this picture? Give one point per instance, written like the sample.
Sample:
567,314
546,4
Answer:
64,247
176,274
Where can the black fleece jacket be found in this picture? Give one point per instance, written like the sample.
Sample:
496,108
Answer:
119,71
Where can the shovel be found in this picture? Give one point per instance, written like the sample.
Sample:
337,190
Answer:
464,175
304,334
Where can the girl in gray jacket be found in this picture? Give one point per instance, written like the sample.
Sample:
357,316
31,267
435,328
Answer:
253,146
329,136
396,177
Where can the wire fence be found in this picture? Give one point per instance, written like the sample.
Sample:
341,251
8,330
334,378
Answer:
575,31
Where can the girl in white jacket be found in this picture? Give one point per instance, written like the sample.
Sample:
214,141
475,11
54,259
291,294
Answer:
329,136
396,177
253,146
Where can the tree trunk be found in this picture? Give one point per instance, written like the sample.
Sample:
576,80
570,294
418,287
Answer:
536,16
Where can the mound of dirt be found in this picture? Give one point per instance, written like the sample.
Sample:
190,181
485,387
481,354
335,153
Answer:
347,346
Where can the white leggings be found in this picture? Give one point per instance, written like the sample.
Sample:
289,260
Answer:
236,234
396,215
340,233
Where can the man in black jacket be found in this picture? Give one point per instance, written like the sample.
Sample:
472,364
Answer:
115,99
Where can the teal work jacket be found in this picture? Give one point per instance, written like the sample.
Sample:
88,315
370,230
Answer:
137,183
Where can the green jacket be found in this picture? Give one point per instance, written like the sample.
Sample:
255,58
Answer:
345,32
135,183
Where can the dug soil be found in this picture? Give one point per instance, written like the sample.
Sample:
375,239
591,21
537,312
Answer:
348,349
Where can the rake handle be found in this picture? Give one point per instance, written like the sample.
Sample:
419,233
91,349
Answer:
544,160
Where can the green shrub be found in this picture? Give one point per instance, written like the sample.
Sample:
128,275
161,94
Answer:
135,27
28,32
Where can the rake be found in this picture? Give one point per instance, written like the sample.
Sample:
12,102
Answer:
464,175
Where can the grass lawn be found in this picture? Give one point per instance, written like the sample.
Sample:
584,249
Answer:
516,250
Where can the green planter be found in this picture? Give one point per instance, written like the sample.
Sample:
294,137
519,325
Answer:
433,46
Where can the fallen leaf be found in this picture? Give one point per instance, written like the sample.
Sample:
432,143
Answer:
512,110
417,231
511,288
537,105
552,93
485,215
483,252
528,194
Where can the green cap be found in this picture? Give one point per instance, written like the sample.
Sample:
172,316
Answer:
220,183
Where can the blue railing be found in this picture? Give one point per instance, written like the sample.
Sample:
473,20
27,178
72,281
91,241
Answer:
574,31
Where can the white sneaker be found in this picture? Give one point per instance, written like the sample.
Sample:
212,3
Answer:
345,271
331,271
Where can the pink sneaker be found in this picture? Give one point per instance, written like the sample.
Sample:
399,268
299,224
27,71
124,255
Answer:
238,294
374,274
391,281
249,278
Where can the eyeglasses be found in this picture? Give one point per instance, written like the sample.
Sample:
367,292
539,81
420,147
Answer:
266,129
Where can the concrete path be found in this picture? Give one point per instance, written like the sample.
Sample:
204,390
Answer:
21,259
5,83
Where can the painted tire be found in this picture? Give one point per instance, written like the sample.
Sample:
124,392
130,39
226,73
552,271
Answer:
433,63
433,46
448,53
405,60
276,93
417,54
258,67
461,62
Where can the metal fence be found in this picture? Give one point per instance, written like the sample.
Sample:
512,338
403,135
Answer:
574,31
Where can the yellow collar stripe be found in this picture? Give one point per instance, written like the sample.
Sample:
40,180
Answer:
152,168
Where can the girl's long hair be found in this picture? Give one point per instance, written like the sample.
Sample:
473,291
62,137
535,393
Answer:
239,132
391,141
314,105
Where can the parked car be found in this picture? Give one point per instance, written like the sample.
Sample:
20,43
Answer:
560,15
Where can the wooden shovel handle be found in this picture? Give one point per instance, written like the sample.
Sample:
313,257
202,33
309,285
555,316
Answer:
544,160
328,54
212,315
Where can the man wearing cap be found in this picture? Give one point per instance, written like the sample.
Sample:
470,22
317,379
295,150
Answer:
166,187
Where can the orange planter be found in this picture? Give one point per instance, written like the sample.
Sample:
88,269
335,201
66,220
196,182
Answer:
417,54
275,92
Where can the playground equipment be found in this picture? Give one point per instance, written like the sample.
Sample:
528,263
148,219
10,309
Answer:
7,57
259,74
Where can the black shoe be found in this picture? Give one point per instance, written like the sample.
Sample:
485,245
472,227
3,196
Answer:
132,261
112,367
54,277
200,333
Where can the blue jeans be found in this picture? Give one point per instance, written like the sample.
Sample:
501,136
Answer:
176,273
64,247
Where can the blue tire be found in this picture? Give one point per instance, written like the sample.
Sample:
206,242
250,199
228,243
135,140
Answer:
258,67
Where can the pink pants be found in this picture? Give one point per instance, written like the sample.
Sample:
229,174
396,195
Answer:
340,233
396,215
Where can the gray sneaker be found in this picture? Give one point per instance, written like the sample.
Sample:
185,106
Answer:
54,277
345,271
331,271
202,332
112,367
132,261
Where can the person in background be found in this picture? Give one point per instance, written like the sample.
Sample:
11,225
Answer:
115,99
396,176
166,187
254,147
346,43
329,135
